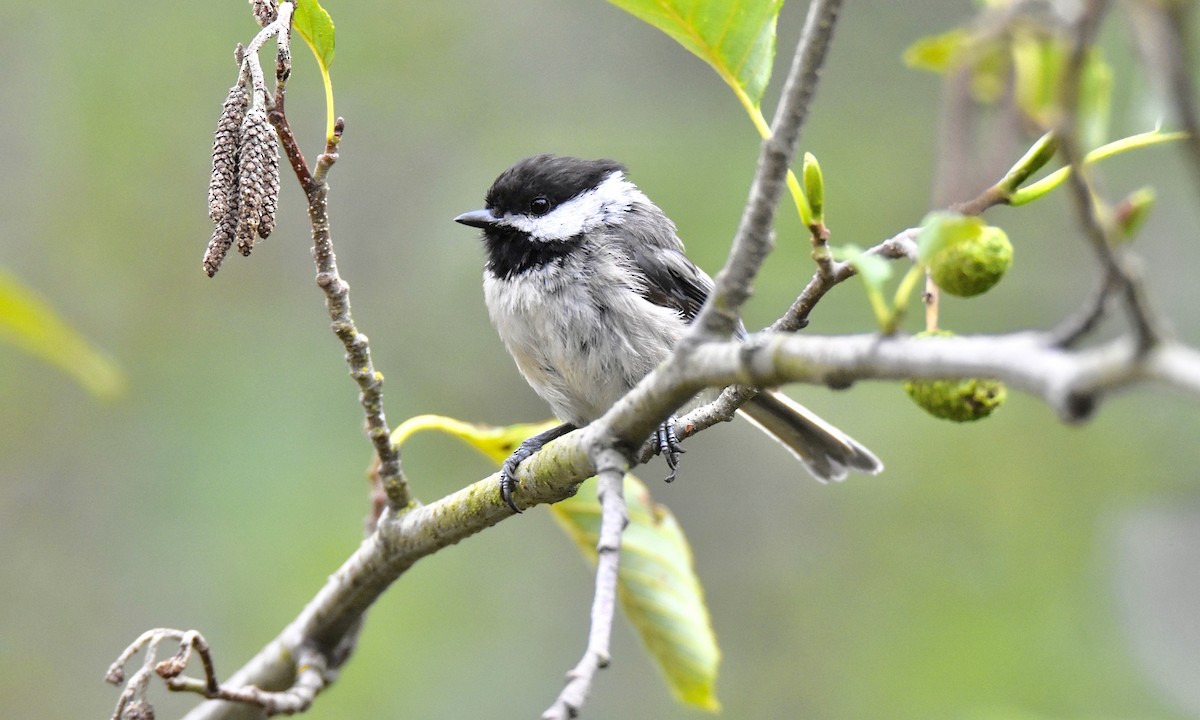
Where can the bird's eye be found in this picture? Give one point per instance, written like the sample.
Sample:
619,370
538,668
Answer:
539,205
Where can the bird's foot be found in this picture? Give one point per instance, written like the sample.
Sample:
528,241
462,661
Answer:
508,473
668,445
508,469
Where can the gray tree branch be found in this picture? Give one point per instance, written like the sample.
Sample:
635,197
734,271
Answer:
1071,383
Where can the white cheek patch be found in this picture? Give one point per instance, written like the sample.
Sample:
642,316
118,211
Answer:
603,205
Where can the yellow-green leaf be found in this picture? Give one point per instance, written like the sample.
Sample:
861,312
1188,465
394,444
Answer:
1041,188
937,53
874,272
657,583
1038,64
814,187
316,27
32,325
735,37
657,586
872,269
495,442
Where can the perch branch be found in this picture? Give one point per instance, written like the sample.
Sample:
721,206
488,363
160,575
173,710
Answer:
1072,383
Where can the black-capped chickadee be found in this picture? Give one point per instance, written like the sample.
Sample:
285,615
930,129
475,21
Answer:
588,286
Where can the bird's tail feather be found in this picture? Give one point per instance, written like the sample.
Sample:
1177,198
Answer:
827,453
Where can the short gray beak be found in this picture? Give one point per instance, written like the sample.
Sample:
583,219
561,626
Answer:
477,218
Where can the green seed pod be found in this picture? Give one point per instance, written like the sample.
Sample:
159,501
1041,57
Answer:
973,266
956,400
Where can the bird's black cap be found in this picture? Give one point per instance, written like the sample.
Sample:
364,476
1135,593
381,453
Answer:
555,177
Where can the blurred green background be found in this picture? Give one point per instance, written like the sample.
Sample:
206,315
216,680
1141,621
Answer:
1012,569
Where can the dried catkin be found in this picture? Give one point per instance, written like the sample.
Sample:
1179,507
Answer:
258,178
222,238
222,186
270,201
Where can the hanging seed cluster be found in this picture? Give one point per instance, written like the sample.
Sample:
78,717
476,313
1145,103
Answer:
243,193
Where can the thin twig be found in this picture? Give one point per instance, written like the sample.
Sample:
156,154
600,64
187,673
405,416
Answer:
337,300
173,667
311,676
611,467
1082,322
900,246
753,240
135,687
1115,263
311,679
932,299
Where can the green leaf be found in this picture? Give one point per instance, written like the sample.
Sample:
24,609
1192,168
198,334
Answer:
940,230
32,325
874,270
657,583
735,37
1034,159
937,53
495,442
657,586
316,27
814,187
952,50
1043,187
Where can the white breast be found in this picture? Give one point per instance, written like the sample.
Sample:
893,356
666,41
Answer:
581,335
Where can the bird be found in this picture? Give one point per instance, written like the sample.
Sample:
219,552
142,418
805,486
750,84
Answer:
587,284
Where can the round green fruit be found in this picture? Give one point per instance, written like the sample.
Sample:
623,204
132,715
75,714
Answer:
957,400
973,266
